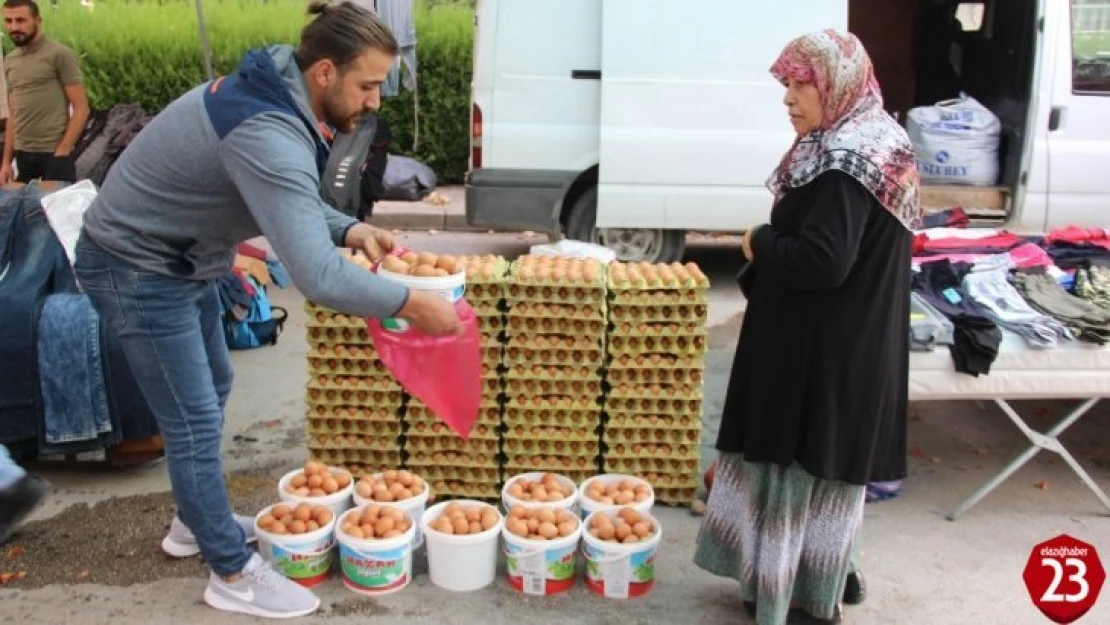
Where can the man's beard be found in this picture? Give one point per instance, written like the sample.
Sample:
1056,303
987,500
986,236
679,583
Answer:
23,38
336,116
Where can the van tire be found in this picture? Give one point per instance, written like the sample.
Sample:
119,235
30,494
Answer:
649,245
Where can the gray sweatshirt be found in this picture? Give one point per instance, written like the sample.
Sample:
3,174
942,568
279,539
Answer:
227,162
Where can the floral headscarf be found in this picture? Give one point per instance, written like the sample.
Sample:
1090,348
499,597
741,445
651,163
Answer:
857,136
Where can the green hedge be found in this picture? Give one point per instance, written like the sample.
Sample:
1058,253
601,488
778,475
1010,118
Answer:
150,53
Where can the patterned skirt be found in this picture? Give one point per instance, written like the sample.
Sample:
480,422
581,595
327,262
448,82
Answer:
786,536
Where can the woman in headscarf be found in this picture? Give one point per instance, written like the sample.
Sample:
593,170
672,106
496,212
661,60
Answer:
816,403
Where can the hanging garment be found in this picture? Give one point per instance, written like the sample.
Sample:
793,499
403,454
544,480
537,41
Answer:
1005,306
976,337
71,373
398,16
1045,294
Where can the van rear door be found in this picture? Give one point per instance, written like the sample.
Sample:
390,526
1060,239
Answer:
1078,135
692,123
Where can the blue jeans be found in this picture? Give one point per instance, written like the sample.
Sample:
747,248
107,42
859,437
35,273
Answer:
10,472
171,334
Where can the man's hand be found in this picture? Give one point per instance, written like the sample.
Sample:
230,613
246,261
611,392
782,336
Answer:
63,151
431,314
5,175
375,242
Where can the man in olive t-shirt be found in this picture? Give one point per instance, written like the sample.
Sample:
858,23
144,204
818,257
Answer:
46,100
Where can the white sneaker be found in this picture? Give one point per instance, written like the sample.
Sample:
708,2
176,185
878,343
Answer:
181,543
262,592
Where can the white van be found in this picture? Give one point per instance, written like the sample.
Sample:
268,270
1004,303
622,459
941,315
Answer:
631,122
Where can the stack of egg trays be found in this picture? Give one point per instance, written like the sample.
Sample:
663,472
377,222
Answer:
354,403
654,380
470,468
554,359
455,467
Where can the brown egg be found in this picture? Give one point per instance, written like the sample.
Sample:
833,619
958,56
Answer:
548,530
298,527
443,524
566,528
384,524
489,518
518,527
424,271
426,258
281,510
642,529
461,525
410,257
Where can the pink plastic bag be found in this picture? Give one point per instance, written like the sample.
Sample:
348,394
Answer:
444,372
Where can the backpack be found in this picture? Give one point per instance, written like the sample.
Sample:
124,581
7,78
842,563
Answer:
262,324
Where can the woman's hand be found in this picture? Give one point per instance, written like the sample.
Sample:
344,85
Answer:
746,242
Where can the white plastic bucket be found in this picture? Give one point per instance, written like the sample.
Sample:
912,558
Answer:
377,566
620,570
450,288
339,501
589,505
304,558
414,506
570,503
541,567
461,563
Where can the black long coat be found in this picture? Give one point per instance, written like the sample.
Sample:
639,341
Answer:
821,370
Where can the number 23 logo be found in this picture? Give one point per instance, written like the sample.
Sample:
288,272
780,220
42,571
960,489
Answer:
1079,577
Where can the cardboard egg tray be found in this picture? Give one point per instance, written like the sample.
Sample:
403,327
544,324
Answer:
551,402
525,326
646,405
553,447
557,272
489,413
354,413
422,460
644,434
481,430
337,351
658,313
318,397
347,382
627,361
543,429
569,357
632,276
592,311
618,376
461,489
419,444
671,451
668,480
687,345
653,391
479,475
375,441
322,316
575,389
361,427
368,457
634,420
318,335
676,496
578,419
586,344
577,469
521,371
667,468
656,328
342,366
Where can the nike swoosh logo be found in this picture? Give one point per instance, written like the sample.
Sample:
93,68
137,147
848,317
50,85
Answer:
246,596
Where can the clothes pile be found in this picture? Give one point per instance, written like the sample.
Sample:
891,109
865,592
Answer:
970,283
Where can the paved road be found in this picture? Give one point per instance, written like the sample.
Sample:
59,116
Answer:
92,553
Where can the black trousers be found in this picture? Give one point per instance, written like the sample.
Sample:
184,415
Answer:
45,166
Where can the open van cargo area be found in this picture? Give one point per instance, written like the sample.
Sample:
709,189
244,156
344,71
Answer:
927,51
